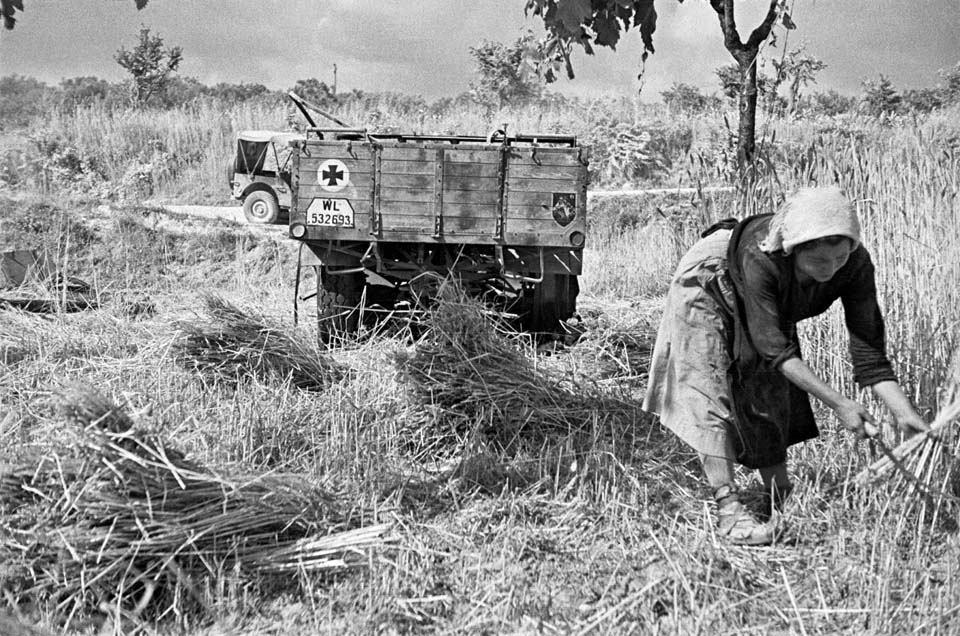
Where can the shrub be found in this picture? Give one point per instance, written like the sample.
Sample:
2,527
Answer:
625,152
950,90
685,98
21,99
832,103
880,98
923,100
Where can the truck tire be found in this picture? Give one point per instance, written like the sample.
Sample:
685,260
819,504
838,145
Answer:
261,206
549,303
338,303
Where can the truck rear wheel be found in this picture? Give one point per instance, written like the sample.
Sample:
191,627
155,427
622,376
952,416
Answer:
549,303
338,303
261,206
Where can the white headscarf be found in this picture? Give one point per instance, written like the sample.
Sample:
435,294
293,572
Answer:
809,214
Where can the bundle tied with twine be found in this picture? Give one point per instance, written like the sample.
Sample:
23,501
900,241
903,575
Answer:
118,522
468,373
231,343
926,462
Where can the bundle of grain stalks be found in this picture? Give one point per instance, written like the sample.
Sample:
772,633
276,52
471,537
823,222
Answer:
926,464
617,341
232,343
470,374
115,521
15,337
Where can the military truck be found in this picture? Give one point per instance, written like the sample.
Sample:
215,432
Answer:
382,217
260,173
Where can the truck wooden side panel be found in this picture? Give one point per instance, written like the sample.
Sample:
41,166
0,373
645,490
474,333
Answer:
432,192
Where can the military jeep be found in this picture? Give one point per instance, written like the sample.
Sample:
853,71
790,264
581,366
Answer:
383,217
260,174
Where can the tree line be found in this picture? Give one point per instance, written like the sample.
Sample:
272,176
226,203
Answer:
505,76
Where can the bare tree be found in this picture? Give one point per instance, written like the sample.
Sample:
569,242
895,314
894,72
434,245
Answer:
600,22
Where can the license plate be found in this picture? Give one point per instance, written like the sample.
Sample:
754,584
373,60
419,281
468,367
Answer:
330,213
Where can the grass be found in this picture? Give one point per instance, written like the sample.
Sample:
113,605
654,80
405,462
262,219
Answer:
598,526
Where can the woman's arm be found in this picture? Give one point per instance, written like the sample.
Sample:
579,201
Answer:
852,414
908,421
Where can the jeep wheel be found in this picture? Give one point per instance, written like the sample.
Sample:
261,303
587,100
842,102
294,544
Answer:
338,303
261,206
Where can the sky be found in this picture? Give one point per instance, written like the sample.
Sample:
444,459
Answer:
423,46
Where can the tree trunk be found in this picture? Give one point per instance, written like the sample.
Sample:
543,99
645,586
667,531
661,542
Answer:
747,108
745,53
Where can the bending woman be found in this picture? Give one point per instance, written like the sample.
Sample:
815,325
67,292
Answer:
727,376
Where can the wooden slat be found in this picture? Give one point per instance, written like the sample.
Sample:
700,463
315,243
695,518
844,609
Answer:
536,185
407,208
453,153
355,191
485,197
544,157
472,183
406,195
531,199
321,152
450,197
532,171
409,181
467,225
478,156
396,166
309,169
359,233
459,169
537,212
529,236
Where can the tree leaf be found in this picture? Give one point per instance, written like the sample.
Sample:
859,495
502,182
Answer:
8,8
607,29
573,13
646,18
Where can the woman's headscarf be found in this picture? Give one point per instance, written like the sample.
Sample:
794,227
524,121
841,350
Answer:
809,214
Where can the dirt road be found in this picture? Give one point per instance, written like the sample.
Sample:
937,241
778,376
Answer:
235,212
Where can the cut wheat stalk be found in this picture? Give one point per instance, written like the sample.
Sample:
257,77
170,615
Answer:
119,514
232,343
470,375
919,460
895,457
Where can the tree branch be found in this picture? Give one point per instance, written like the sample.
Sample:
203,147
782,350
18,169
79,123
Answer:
728,24
761,32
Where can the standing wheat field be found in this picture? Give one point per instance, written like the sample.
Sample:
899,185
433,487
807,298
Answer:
497,489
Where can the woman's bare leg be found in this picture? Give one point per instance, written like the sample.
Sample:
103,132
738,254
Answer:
719,470
734,520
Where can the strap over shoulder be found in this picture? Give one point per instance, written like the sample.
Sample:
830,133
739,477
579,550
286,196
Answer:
725,224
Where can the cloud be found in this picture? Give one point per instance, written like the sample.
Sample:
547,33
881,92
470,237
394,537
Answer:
422,46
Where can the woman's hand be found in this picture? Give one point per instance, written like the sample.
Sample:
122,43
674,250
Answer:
911,423
857,419
900,407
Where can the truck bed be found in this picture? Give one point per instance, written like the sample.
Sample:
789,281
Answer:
434,190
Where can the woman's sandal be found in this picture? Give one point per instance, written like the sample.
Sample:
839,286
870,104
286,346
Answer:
736,523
